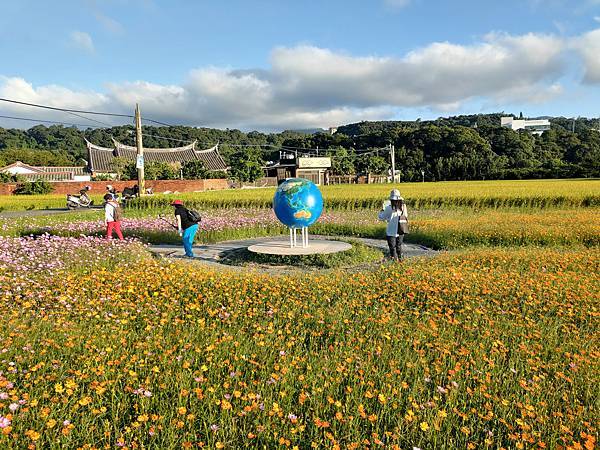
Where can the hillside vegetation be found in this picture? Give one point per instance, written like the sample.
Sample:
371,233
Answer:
455,148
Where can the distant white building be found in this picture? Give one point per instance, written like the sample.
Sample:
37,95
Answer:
33,173
533,126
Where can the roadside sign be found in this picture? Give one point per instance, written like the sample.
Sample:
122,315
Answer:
314,163
139,163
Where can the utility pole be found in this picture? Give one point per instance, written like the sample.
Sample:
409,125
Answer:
139,164
393,158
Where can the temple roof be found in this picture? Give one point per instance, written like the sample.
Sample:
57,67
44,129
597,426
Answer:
101,158
48,173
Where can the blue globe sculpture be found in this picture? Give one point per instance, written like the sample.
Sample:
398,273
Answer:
298,203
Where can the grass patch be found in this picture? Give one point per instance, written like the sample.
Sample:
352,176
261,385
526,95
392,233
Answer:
359,254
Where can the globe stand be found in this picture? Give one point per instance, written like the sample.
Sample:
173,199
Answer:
298,203
303,235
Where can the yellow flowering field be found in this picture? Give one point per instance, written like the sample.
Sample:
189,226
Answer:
487,348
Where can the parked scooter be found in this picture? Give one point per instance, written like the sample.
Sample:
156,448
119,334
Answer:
82,200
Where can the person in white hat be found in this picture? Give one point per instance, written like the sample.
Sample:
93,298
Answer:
395,213
111,190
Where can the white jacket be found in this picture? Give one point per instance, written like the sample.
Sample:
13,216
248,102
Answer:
391,217
109,211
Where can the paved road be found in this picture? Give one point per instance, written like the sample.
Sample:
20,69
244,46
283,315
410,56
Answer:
211,254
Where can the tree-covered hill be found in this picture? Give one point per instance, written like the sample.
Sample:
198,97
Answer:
460,147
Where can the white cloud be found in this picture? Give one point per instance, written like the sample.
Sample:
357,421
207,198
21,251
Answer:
436,75
82,41
597,19
308,86
52,95
588,47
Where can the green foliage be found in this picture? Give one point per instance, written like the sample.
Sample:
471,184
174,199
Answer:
102,177
470,147
153,170
122,167
246,165
376,165
38,187
36,157
194,170
217,174
10,178
342,161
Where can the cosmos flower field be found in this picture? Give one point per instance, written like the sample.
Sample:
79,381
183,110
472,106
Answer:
492,344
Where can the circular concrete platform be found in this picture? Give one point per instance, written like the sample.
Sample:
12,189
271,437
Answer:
315,246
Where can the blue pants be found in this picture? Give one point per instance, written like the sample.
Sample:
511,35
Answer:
188,239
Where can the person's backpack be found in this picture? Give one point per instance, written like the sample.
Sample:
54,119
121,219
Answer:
194,216
118,214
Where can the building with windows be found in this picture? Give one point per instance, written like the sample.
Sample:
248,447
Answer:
537,126
315,169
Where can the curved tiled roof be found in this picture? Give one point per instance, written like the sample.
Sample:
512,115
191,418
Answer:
101,158
211,158
50,176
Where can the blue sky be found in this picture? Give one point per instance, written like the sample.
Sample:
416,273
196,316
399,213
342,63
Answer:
273,65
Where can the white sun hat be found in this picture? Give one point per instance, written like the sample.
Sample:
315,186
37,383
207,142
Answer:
395,195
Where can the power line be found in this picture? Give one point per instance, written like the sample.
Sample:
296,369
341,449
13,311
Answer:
251,145
35,105
90,119
54,108
167,138
49,121
158,122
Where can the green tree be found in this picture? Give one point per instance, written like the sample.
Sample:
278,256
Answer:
153,170
194,170
123,169
246,165
376,165
37,187
342,161
10,178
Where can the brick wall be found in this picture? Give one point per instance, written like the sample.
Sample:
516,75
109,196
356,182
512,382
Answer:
7,188
159,186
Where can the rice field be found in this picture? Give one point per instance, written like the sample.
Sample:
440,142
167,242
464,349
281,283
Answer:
475,194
